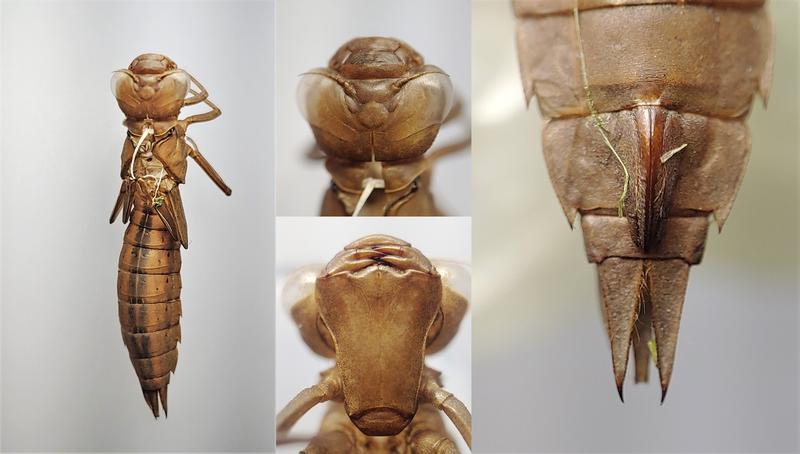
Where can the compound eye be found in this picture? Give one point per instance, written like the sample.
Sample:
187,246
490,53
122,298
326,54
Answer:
455,275
319,96
433,91
299,285
455,302
176,82
122,81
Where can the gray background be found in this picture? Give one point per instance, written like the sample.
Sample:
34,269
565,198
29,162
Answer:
542,377
307,241
67,383
310,31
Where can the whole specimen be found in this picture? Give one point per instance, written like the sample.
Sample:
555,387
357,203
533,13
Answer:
151,94
374,111
378,308
645,103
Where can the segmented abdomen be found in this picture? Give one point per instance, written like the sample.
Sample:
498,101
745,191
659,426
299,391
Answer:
645,137
148,290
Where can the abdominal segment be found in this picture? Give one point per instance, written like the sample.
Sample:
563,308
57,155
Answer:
681,169
645,138
149,287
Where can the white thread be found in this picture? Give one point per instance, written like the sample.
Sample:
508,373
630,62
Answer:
156,200
145,133
158,182
671,153
369,185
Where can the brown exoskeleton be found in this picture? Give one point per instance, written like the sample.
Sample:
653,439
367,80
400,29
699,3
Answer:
151,94
645,138
375,110
378,307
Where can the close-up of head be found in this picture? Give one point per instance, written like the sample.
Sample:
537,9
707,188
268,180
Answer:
379,298
379,307
376,101
152,87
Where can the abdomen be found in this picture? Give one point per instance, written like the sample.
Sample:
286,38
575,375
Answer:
148,289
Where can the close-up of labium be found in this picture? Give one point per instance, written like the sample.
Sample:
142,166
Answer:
377,193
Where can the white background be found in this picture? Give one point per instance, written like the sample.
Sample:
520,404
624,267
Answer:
67,382
308,34
306,241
